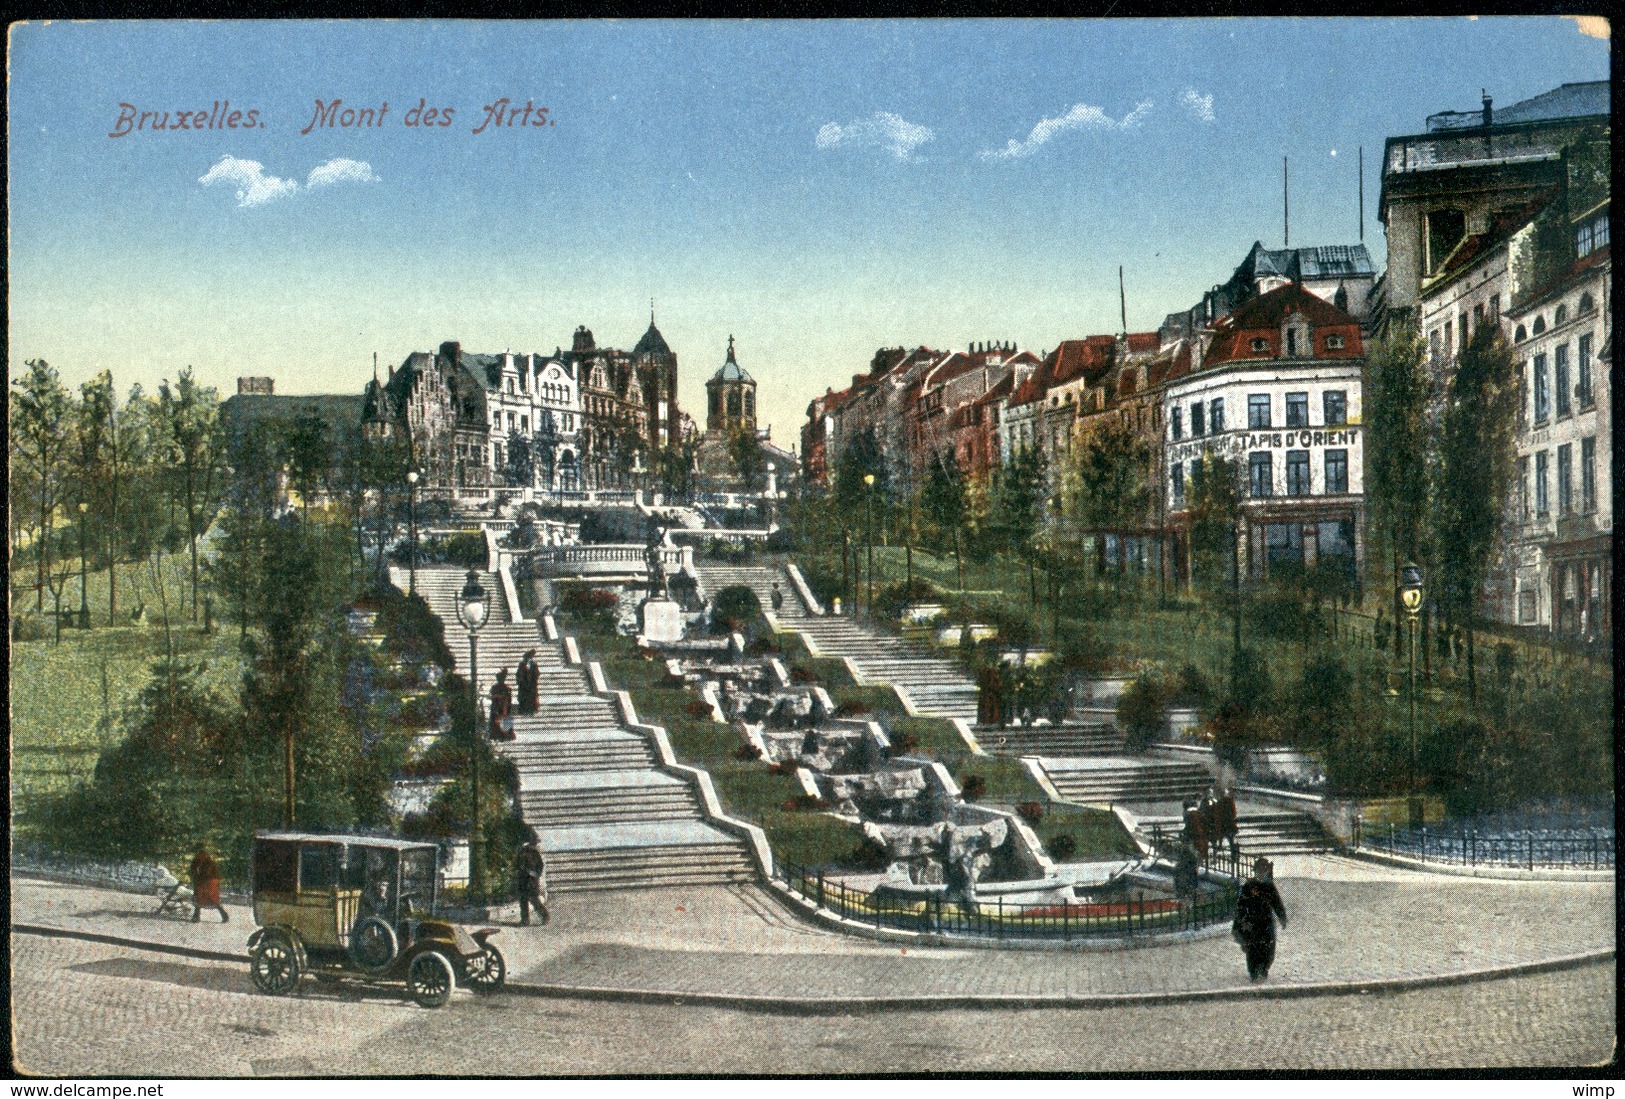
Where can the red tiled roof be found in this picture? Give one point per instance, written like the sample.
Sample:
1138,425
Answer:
1503,224
1262,317
1140,343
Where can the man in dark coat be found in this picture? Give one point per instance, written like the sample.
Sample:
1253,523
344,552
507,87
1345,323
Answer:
529,677
1224,813
777,598
1257,909
532,874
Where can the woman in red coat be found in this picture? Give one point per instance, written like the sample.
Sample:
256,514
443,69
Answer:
205,875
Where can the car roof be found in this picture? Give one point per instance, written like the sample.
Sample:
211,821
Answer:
354,841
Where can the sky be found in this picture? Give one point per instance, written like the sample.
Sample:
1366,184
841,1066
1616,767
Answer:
814,189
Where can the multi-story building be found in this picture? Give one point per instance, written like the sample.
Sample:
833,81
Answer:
1448,183
943,417
1342,274
1563,553
1278,395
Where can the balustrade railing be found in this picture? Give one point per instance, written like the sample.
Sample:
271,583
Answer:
577,555
939,913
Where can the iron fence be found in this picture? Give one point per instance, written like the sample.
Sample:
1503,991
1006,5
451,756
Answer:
966,915
1578,848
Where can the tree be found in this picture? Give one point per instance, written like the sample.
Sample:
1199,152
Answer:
745,452
97,468
1215,541
190,414
40,410
307,452
521,466
1018,508
1396,399
674,468
1110,478
1477,453
943,498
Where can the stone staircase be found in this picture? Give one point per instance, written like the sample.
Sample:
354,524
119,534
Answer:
606,815
1058,741
934,685
1104,780
1261,831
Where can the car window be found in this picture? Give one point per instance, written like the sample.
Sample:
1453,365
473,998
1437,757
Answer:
275,866
318,866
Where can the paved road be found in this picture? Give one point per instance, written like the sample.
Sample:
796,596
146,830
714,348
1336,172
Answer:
85,1008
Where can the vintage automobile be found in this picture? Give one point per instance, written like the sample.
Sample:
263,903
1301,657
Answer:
360,907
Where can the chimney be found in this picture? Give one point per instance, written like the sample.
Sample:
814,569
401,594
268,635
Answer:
260,387
451,349
1489,114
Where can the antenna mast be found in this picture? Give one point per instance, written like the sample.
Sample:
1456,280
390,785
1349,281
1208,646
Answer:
1286,209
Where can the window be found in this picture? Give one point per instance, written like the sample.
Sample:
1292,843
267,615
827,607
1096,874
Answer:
1560,379
1176,422
1445,228
1541,503
1259,473
1528,604
1292,343
1592,235
1520,334
1261,344
733,402
1588,474
1561,315
1586,304
1495,308
1543,399
1463,332
1179,483
1523,489
1335,404
1478,316
1258,410
318,866
1334,343
1196,419
1433,345
1297,473
1297,410
1449,336
750,404
1582,386
1283,543
1215,415
1540,325
1337,470
1565,484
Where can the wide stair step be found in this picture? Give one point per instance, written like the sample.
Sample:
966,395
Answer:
647,867
1126,780
1051,740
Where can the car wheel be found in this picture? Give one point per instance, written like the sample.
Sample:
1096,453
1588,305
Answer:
373,944
429,978
485,971
275,965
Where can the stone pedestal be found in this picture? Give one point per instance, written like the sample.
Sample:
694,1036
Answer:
662,619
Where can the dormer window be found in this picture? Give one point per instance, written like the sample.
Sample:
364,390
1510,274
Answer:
1261,344
1334,343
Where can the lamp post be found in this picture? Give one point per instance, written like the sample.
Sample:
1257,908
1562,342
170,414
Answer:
84,607
869,526
637,470
1410,593
472,605
412,521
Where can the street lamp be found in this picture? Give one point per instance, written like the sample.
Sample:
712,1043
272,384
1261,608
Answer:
1410,594
472,605
84,606
412,520
869,524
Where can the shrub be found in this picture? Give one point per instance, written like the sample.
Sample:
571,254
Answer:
972,787
762,646
590,604
1077,649
904,742
1191,688
1061,847
28,627
785,767
697,708
1142,710
852,708
782,540
890,600
1030,811
733,607
802,675
746,753
803,803
868,855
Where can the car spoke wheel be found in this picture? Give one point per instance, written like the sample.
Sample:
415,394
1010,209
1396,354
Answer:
275,966
373,944
485,971
430,978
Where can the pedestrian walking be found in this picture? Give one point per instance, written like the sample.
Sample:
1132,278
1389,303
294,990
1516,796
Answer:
1257,909
532,883
205,875
1227,819
501,708
1196,833
1186,876
777,597
529,676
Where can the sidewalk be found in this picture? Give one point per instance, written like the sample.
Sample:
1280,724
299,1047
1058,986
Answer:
1352,925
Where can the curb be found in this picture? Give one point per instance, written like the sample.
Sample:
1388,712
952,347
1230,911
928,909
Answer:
807,1005
1484,873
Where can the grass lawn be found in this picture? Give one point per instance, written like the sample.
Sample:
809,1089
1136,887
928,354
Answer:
59,720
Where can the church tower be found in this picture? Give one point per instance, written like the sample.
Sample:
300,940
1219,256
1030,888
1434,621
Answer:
656,366
730,398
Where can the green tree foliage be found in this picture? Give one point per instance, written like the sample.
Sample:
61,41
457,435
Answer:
193,445
943,500
1018,505
521,465
745,452
1396,399
38,424
1110,478
1323,705
1477,454
1215,509
97,471
733,608
861,458
674,468
1143,709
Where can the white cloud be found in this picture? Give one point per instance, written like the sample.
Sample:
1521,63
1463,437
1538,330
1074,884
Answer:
882,130
1199,105
341,170
254,187
1082,116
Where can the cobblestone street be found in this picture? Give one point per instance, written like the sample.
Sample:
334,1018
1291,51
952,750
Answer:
86,1009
